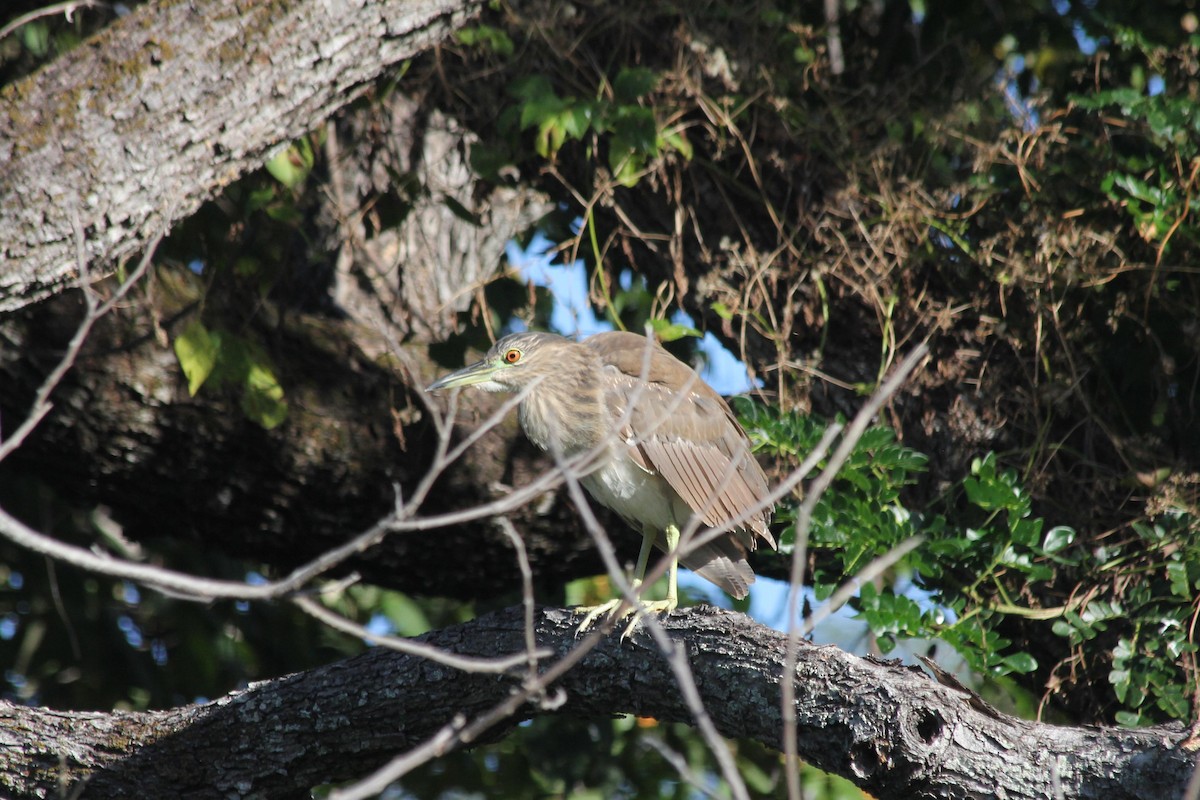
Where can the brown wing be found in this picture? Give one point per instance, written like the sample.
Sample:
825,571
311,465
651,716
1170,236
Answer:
685,432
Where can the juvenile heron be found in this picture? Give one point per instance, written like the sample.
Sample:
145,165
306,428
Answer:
669,448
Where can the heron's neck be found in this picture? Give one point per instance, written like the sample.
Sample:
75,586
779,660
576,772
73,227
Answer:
567,407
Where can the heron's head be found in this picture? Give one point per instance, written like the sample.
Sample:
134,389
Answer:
515,361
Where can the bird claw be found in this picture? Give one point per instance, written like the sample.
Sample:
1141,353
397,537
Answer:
609,610
596,613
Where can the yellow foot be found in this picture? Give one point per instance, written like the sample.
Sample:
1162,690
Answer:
609,610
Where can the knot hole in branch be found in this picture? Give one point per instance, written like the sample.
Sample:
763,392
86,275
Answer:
930,726
866,757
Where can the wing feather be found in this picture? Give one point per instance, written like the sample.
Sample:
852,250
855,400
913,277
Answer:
676,426
689,437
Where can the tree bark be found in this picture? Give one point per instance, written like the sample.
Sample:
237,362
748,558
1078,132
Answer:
888,728
135,128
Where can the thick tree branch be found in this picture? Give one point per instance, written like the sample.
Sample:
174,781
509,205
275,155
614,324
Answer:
170,104
889,728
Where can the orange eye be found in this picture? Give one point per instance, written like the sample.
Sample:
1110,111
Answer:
512,356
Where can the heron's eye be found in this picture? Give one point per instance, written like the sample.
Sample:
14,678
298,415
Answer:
512,356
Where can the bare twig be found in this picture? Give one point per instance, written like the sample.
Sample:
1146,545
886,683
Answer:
803,521
874,568
680,765
569,470
67,9
833,38
459,731
532,653
95,310
498,665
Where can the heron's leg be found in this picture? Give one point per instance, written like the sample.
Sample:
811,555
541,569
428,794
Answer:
673,584
639,571
672,600
595,613
672,534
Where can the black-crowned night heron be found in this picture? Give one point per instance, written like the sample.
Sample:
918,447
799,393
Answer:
668,446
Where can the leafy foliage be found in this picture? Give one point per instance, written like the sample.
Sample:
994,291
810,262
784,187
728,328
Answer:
226,359
1158,194
988,561
618,116
1038,234
487,37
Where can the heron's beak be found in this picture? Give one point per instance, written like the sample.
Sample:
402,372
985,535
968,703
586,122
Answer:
477,373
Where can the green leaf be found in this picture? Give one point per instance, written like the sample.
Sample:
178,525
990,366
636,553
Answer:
404,614
36,38
1172,701
995,491
1177,574
1026,532
577,119
550,138
633,82
291,165
541,105
635,129
262,396
531,87
488,159
722,311
1130,719
804,55
197,350
1019,662
1058,538
626,166
668,331
680,143
486,37
1119,678
757,779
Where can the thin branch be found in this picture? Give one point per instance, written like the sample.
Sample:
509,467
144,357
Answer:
498,665
41,402
568,470
874,568
799,555
680,765
530,605
200,589
403,519
67,9
868,720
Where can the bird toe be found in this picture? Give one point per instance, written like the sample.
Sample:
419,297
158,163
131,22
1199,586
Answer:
612,611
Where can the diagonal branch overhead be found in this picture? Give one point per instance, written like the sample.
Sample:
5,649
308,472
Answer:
889,728
170,104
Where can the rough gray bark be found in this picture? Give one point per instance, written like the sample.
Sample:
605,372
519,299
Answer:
889,728
414,279
138,126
